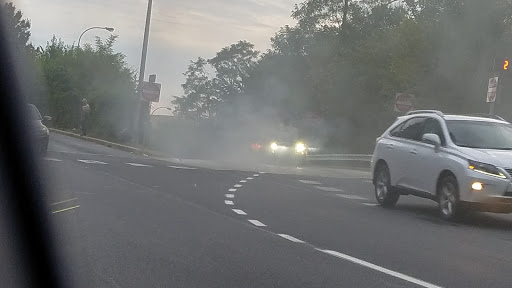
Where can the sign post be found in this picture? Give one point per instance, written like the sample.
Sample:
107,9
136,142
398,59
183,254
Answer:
404,102
492,91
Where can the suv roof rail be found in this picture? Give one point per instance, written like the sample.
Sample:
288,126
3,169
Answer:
492,116
425,112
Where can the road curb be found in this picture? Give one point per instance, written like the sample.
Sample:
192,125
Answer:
108,143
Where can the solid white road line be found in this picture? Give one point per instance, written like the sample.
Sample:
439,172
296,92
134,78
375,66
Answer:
291,238
232,190
310,182
257,223
52,159
60,202
66,209
351,197
249,178
139,165
329,189
379,268
239,212
229,202
370,204
230,196
91,162
243,181
237,185
182,167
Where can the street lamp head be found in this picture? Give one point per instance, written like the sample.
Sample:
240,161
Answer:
109,29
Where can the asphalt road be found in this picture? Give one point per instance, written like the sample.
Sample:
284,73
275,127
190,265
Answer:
130,221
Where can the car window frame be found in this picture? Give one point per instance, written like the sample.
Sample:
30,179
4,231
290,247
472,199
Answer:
401,125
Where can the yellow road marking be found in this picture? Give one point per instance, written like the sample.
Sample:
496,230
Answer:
69,200
65,209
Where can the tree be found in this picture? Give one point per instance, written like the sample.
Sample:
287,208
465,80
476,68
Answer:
19,26
97,74
232,67
199,99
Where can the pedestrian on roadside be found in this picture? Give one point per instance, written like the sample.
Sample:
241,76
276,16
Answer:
84,117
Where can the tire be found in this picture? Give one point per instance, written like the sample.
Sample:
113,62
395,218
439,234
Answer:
448,193
385,194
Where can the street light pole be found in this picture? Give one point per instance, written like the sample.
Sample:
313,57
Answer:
156,109
109,29
140,105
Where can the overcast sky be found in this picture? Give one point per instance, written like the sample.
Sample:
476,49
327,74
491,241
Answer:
180,30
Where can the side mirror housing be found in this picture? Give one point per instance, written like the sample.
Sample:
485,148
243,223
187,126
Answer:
432,139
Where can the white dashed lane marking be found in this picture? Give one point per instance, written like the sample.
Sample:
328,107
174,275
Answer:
329,189
230,196
352,197
255,175
243,181
310,182
91,162
370,204
229,202
182,167
249,178
237,185
257,223
291,238
232,190
52,159
139,165
368,181
239,212
379,268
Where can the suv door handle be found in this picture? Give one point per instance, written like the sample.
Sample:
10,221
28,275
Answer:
414,151
390,146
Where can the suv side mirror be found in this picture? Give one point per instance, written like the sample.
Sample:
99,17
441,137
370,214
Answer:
432,139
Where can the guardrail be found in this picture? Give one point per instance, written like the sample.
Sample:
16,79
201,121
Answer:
340,157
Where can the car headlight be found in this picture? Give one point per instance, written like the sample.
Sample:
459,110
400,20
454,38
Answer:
300,147
273,146
486,169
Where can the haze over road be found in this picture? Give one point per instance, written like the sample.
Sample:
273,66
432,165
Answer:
144,222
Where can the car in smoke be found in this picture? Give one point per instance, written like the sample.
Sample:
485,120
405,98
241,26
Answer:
283,151
39,131
462,162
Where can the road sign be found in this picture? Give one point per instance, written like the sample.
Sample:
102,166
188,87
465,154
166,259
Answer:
151,91
404,102
491,89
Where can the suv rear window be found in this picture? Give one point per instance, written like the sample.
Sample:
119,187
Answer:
411,129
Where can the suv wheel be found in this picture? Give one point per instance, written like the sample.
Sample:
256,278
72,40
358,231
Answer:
448,192
385,194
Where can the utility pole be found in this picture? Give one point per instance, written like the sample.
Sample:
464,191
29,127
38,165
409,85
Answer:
141,104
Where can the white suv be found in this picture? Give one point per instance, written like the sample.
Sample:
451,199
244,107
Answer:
459,161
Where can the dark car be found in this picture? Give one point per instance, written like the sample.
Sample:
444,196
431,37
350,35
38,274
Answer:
40,132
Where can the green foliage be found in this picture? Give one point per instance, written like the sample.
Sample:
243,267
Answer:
97,74
345,61
16,24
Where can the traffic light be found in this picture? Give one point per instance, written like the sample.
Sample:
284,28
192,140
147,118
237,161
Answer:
505,64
